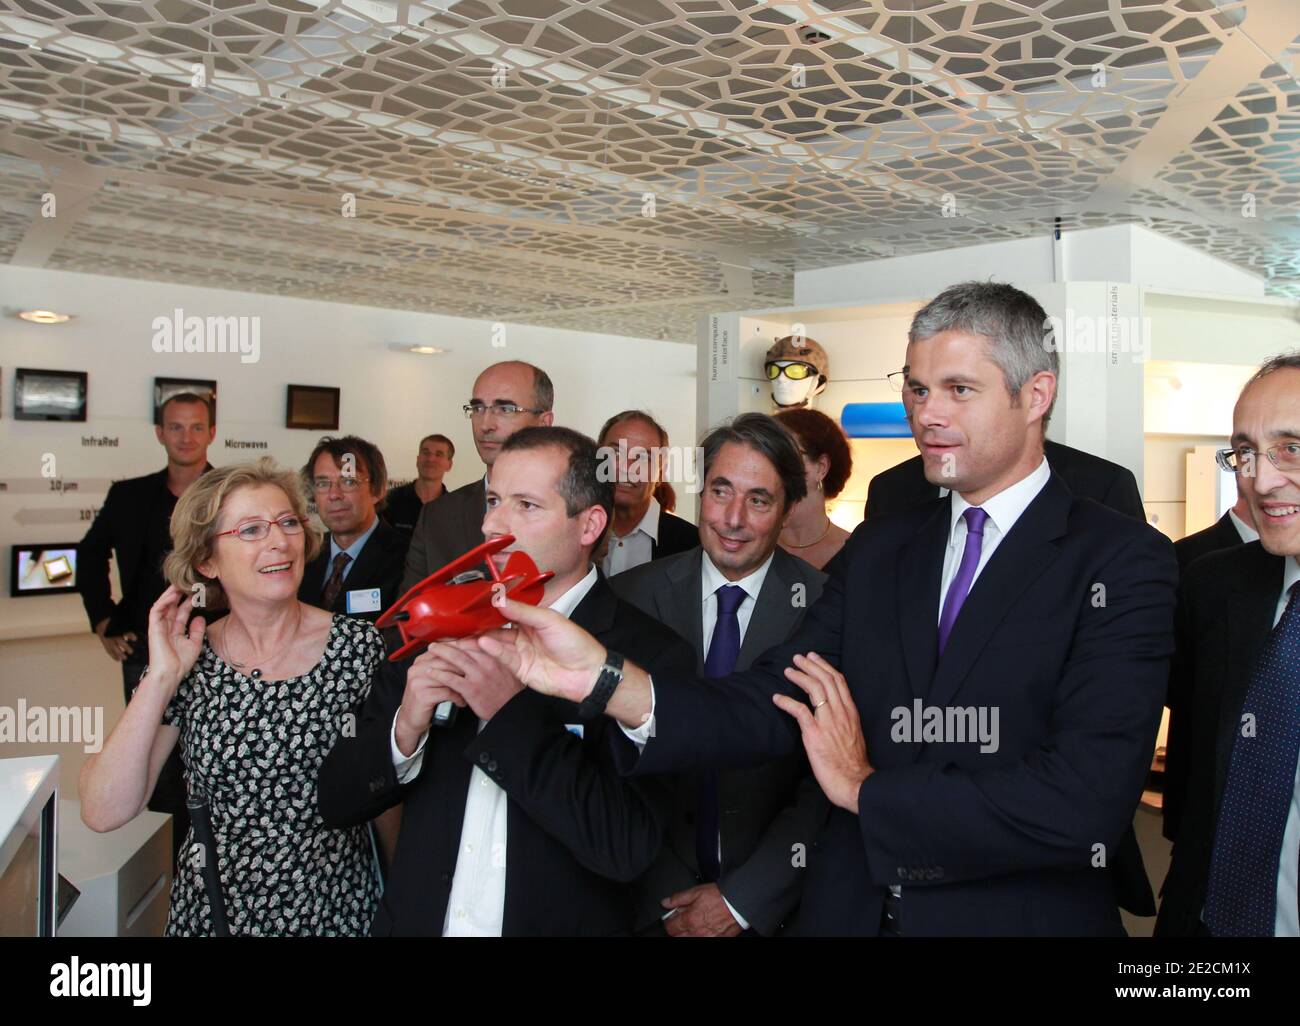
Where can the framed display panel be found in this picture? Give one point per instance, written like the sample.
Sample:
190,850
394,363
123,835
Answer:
50,394
313,407
165,388
46,569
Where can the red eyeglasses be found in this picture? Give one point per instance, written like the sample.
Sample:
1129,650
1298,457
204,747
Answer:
256,530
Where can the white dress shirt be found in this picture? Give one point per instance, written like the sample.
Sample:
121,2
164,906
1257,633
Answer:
1287,923
1003,510
711,579
635,547
476,906
1244,530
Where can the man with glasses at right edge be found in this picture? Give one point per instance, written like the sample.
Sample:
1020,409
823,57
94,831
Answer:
1236,669
507,397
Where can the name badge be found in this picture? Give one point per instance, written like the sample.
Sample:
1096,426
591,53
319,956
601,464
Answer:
363,600
576,729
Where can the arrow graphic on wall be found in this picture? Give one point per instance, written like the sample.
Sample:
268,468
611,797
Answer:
51,516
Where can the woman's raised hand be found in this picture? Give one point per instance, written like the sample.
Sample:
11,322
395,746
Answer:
173,649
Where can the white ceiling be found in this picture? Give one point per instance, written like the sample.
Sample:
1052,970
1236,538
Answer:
500,152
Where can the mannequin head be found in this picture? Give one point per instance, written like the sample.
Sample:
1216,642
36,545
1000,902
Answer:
798,369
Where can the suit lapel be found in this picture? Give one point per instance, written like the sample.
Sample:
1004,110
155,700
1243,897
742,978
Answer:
473,512
366,567
313,576
595,613
679,602
920,563
1251,605
774,612
1026,552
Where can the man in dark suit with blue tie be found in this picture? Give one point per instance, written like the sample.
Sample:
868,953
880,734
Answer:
1236,675
979,686
729,857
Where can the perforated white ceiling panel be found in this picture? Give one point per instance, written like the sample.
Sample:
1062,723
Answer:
623,165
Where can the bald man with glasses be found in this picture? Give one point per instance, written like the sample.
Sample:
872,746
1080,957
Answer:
507,397
1236,672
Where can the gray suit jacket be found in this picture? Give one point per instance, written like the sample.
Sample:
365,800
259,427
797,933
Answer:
446,529
765,810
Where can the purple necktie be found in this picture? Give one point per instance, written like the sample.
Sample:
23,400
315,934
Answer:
960,587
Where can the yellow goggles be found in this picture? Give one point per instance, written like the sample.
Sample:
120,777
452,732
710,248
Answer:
793,371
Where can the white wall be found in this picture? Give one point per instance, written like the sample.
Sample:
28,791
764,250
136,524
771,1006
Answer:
924,275
1121,253
391,398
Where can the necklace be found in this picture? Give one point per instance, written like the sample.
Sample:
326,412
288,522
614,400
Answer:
809,545
253,674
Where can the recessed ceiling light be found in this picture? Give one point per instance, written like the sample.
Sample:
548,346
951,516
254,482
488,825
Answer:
406,347
44,316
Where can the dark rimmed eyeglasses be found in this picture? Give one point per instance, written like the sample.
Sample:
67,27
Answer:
498,409
256,530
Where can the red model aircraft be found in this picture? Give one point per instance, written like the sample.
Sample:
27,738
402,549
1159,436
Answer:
441,607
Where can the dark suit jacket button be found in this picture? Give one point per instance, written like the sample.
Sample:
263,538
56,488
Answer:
446,878
492,766
376,785
483,757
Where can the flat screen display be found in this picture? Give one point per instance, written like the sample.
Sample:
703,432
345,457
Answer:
43,569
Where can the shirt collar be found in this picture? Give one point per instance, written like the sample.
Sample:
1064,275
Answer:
649,523
1244,531
568,602
1290,573
1005,508
712,578
355,548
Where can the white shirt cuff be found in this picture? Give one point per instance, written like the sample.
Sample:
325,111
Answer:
642,734
406,766
740,920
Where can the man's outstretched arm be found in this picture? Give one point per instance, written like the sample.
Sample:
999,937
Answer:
697,723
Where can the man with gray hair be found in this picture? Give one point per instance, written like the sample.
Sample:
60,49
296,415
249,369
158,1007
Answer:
1089,477
1010,601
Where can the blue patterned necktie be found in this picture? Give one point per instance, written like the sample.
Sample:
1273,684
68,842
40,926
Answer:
1241,899
724,649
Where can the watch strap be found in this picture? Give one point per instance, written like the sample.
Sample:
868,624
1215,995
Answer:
611,675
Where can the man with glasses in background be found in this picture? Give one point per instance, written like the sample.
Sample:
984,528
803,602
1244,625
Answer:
358,572
1236,672
507,397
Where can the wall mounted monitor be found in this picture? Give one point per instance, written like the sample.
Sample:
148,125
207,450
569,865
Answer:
165,388
50,394
49,569
313,407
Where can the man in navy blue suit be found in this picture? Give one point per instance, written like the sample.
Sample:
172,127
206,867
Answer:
978,688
